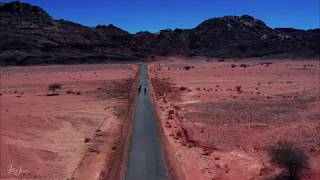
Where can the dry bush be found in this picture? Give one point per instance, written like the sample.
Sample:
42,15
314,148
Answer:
238,88
53,88
289,157
182,88
187,68
243,65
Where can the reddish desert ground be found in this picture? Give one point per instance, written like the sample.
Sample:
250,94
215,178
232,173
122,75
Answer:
220,118
69,135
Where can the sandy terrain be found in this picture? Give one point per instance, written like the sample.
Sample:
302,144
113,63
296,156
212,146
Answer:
69,135
220,118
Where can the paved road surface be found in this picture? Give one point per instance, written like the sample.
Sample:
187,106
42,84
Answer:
145,156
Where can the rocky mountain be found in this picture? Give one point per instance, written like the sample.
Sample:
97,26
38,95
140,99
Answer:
28,35
237,37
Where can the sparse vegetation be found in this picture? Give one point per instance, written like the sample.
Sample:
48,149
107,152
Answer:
289,157
86,140
70,92
164,88
250,104
182,88
238,88
73,92
187,68
53,88
243,65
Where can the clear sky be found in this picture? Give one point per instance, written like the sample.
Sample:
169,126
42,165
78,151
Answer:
153,15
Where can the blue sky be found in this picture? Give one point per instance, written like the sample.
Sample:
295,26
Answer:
153,15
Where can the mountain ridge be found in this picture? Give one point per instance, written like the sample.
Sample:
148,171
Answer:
29,35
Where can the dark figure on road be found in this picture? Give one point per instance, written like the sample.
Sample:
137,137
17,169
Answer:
139,88
145,90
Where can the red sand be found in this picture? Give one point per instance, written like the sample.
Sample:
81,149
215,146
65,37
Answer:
218,132
43,137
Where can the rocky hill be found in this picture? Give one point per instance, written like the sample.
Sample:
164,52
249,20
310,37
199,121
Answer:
237,37
28,35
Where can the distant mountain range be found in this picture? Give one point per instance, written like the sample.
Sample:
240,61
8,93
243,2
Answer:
28,35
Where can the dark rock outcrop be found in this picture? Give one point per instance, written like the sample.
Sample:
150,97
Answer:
237,37
28,35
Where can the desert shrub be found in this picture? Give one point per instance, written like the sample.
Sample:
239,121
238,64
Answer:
86,140
243,65
53,88
233,66
187,68
182,88
289,157
238,88
69,92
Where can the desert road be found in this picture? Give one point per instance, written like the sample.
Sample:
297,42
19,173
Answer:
145,155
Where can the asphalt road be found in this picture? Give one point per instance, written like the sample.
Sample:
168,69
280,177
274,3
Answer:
145,155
